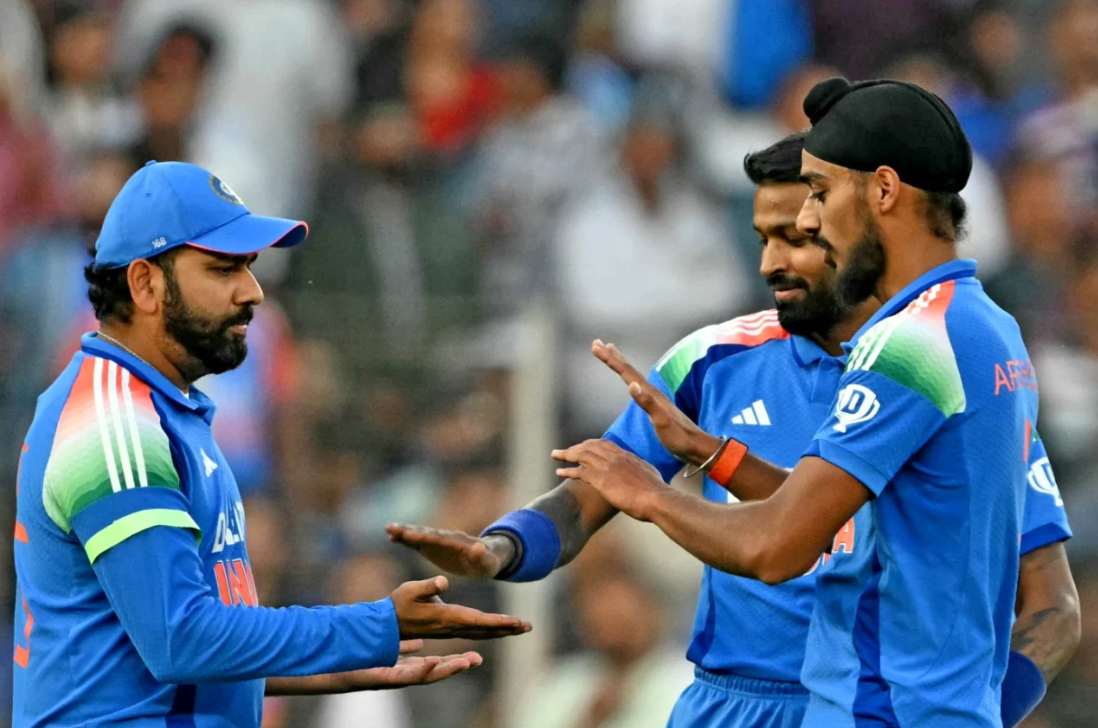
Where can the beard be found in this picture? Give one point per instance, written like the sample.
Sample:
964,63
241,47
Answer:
858,279
210,348
815,314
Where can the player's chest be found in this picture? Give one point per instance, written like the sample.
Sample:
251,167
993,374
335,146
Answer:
213,494
773,409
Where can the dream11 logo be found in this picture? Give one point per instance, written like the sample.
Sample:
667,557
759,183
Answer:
856,404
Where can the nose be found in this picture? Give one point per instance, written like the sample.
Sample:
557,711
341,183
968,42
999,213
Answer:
774,259
808,219
250,292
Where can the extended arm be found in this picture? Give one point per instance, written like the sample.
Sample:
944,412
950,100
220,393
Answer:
1047,628
186,635
772,540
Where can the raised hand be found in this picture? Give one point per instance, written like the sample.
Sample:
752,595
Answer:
454,551
421,613
677,432
623,479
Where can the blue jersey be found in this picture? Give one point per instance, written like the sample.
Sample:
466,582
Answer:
749,379
936,415
136,602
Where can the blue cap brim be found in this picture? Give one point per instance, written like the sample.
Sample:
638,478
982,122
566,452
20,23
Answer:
249,234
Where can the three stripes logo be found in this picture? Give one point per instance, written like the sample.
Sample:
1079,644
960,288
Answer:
754,415
118,427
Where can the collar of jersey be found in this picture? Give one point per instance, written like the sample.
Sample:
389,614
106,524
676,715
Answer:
954,269
806,351
195,401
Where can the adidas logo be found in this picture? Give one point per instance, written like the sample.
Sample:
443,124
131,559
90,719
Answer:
753,415
210,464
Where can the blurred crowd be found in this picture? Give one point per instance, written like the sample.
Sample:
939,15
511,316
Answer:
462,162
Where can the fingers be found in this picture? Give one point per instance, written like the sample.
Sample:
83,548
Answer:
590,452
410,647
428,589
645,398
609,355
458,621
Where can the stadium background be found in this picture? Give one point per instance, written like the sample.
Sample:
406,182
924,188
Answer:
490,184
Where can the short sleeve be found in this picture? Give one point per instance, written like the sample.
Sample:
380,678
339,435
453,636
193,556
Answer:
900,386
633,431
1044,520
110,473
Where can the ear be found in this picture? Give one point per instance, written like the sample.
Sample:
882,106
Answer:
885,190
146,285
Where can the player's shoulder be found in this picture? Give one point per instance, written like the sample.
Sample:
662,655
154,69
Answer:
914,348
713,343
108,437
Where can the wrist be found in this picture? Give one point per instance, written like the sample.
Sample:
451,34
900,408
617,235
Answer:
504,547
702,447
651,504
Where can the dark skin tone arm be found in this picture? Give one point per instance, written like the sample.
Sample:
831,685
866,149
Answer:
409,670
577,509
1048,627
774,540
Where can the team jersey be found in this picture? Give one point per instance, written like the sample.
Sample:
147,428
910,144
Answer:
136,603
751,380
936,414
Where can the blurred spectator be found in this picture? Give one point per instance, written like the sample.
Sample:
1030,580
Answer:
630,678
1033,284
23,54
681,36
28,190
643,259
597,75
766,41
169,91
86,111
1068,128
539,157
452,95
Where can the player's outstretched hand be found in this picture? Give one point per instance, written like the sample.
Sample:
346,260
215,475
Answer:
452,551
677,432
409,670
624,480
421,613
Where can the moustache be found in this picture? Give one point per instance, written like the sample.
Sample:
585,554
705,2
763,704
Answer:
782,282
244,317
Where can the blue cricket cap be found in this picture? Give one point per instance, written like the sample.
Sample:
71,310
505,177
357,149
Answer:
168,204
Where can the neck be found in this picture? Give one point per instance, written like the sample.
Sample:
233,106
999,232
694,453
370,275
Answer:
145,348
914,257
832,342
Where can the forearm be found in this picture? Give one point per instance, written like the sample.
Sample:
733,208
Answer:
1047,628
307,685
738,539
577,511
185,635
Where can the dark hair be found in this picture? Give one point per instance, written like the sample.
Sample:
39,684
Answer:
946,215
777,164
109,289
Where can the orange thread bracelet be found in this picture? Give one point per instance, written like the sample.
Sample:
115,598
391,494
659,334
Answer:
726,465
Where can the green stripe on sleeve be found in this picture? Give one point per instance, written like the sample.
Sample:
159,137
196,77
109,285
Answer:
134,524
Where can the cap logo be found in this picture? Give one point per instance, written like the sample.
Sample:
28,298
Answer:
223,191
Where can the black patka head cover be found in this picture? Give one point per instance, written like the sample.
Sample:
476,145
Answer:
870,124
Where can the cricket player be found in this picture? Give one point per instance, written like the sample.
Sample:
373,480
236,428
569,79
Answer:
136,605
768,380
928,442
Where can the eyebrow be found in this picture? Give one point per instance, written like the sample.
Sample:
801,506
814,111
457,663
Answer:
810,177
